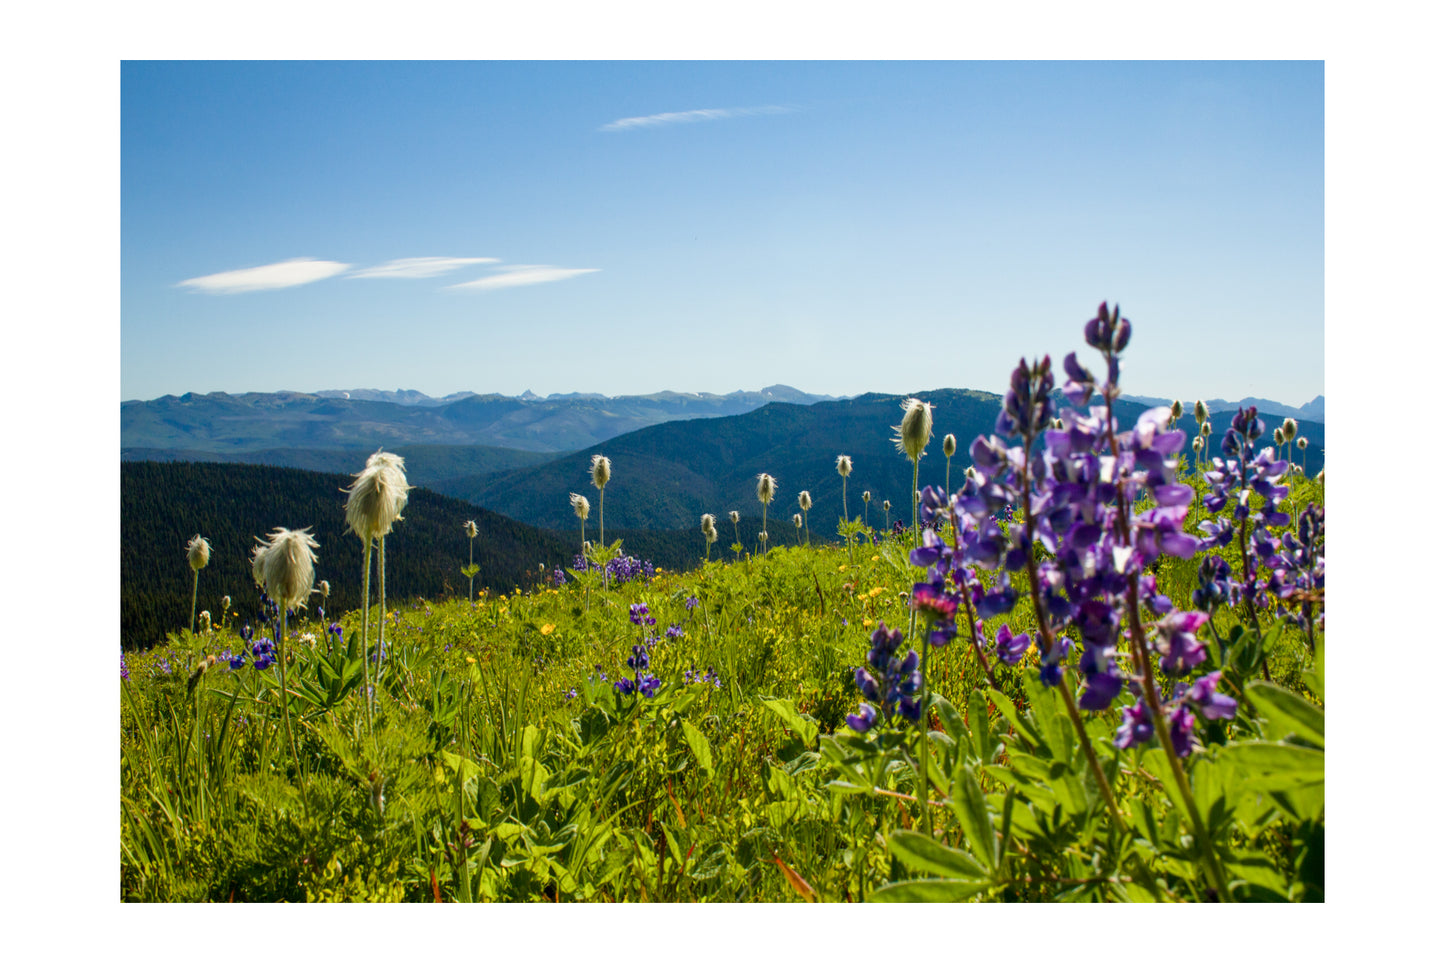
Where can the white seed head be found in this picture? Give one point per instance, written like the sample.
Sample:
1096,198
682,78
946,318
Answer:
198,552
734,516
258,573
887,505
226,604
601,471
797,520
1279,436
324,587
580,505
767,486
1206,429
970,472
709,528
867,496
205,620
805,500
470,528
912,433
950,445
1201,412
1302,443
1198,444
1320,477
762,536
1290,429
376,498
288,565
845,465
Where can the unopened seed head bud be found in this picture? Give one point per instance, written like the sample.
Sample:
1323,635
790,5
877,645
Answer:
1201,412
950,445
601,471
767,486
762,536
805,500
1302,443
580,505
845,465
198,552
709,528
1198,444
887,505
1290,428
226,604
1176,410
324,587
797,520
1206,429
912,433
1279,436
867,496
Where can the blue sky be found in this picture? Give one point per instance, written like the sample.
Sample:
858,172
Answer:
632,227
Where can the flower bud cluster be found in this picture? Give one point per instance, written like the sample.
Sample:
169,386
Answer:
896,683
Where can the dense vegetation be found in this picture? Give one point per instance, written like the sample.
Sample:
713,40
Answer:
1087,675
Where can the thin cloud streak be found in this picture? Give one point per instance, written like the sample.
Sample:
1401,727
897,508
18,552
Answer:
419,267
522,274
693,116
267,277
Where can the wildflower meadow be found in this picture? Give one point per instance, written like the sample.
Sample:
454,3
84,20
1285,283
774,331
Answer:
1093,672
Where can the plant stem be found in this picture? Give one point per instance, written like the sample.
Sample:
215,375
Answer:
286,710
365,624
195,587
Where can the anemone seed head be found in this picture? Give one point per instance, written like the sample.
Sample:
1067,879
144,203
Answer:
580,505
288,565
375,499
867,496
845,465
912,433
324,587
734,516
767,485
797,520
258,573
1201,411
950,445
1289,428
709,528
1176,410
601,471
805,500
470,528
198,552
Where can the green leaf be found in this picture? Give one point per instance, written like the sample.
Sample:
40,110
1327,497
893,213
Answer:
985,741
1276,757
927,891
1016,719
972,811
698,743
924,855
1289,712
953,723
805,727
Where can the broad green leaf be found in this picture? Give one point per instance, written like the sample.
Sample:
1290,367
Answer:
927,891
1259,757
972,811
985,742
924,855
698,743
953,723
1020,723
1289,711
805,728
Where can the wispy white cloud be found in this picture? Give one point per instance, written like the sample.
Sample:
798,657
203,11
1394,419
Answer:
419,267
267,277
693,116
521,274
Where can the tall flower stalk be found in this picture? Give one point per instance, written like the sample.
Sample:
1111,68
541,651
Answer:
601,474
386,461
198,554
373,505
471,531
767,487
737,536
845,468
709,534
805,502
287,561
911,436
581,508
867,497
950,445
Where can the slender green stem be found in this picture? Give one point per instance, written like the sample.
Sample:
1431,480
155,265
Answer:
286,709
381,619
195,587
365,624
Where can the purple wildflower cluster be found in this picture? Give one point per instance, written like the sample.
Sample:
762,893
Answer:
900,681
1200,698
1071,490
709,677
642,682
124,672
624,568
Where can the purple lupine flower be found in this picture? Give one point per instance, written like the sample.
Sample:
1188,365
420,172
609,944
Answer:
1136,729
1051,668
1181,730
674,631
124,672
624,685
1203,695
690,603
571,694
1010,648
1179,650
865,719
559,578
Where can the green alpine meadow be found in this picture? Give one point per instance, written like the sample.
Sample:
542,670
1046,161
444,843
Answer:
1072,651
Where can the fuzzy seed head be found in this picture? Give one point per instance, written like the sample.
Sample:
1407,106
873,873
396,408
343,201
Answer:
805,500
198,552
375,499
580,505
1206,429
887,505
1176,410
797,520
1278,436
912,433
734,516
287,563
867,496
950,445
1302,443
601,471
845,465
1290,428
709,528
226,604
1198,444
762,536
767,486
1201,412
324,587
470,528
205,620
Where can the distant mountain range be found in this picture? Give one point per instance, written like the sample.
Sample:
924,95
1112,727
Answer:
1310,411
254,422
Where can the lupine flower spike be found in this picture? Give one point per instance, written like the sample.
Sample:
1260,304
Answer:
198,554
